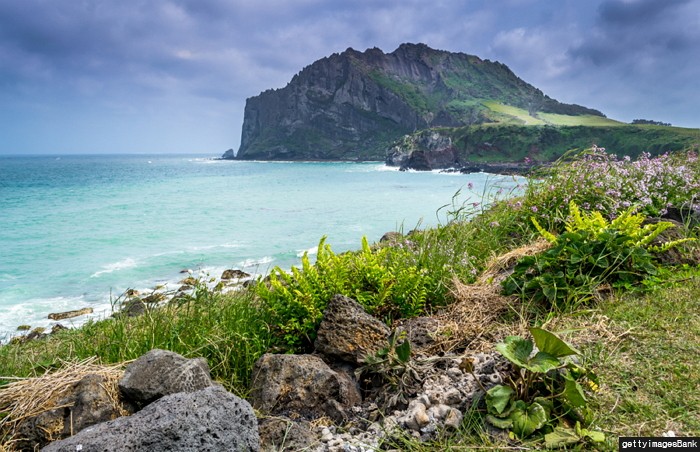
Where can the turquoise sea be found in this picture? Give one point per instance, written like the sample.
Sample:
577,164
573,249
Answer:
77,231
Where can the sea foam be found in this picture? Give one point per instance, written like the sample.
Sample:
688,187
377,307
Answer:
115,266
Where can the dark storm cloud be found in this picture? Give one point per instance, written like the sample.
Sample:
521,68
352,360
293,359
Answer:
641,33
194,62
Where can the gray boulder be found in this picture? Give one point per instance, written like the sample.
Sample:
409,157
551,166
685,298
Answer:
302,386
88,403
348,333
207,420
161,372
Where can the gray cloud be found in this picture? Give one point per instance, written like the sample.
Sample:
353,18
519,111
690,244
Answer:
642,32
194,62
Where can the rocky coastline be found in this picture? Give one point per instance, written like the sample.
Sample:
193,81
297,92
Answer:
328,400
432,150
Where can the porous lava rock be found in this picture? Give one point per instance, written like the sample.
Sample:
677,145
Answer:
210,419
161,372
348,333
301,386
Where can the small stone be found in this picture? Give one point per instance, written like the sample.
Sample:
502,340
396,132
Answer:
420,416
454,373
452,396
327,436
453,418
57,327
24,328
439,412
425,400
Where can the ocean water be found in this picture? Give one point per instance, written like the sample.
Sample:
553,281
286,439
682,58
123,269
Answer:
77,231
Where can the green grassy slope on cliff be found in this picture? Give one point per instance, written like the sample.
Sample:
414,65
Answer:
509,142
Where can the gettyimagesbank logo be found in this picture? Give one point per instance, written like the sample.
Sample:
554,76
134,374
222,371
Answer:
632,444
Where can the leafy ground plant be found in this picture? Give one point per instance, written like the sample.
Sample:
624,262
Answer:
546,395
591,253
393,366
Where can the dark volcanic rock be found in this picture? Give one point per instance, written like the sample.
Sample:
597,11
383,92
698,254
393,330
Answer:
348,333
420,331
301,386
234,274
678,255
88,403
69,314
207,420
161,372
686,214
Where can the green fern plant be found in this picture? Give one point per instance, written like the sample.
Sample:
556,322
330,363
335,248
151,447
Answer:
592,252
383,280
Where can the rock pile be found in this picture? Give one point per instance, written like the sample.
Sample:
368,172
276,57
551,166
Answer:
175,404
316,402
332,400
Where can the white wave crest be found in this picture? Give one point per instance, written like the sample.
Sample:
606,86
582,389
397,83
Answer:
311,251
115,266
255,262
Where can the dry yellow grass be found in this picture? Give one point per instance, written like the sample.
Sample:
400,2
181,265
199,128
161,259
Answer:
472,321
29,397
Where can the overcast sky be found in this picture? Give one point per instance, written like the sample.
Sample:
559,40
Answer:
172,76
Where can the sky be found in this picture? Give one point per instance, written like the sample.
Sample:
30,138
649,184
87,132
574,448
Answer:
172,76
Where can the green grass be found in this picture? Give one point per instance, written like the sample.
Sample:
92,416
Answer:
511,114
582,120
518,113
226,329
651,373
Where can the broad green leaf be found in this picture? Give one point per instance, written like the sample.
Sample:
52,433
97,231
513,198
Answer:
547,404
550,292
497,398
526,421
542,363
574,392
595,436
561,437
498,422
548,342
403,351
516,349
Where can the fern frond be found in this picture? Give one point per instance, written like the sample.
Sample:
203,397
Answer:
551,238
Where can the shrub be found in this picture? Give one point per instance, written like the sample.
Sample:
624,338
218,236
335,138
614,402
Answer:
592,252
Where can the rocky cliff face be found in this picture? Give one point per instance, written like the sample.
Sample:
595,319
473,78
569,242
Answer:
352,105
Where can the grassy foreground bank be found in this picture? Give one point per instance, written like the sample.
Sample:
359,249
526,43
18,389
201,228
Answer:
603,285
